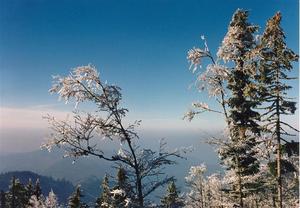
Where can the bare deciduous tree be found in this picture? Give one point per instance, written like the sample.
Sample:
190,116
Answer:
80,136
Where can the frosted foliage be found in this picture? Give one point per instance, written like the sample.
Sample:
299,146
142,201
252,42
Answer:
122,153
105,204
196,172
200,105
212,79
77,134
117,192
51,200
72,85
266,146
127,202
194,57
82,135
239,39
195,181
84,83
214,190
36,203
204,191
231,44
189,115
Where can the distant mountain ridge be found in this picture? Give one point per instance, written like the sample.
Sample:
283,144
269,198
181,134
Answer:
53,164
61,187
89,171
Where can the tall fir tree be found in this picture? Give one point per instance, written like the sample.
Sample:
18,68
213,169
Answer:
122,192
51,200
37,189
75,199
34,202
104,200
239,153
29,190
275,61
171,199
247,92
16,194
2,199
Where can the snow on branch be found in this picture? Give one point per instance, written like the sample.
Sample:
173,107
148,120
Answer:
81,136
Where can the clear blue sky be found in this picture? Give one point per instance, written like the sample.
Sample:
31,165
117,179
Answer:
139,45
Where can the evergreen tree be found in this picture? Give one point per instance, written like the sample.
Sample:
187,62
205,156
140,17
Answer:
2,199
121,193
34,202
122,178
29,190
51,200
275,60
37,189
241,94
75,199
16,194
239,153
104,200
171,199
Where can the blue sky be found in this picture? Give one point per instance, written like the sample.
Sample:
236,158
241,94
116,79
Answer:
139,45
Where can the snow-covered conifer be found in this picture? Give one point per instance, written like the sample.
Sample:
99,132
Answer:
51,200
16,194
35,202
2,199
104,200
37,189
74,200
172,198
275,61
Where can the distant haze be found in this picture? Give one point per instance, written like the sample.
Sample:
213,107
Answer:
24,130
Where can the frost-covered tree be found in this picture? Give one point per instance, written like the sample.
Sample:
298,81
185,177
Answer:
74,200
172,198
196,183
29,190
51,200
121,193
275,61
16,194
214,191
37,189
34,202
104,200
119,199
106,123
239,154
237,82
2,199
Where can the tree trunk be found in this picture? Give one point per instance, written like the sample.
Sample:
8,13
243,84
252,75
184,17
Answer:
138,184
279,181
278,156
240,193
140,192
